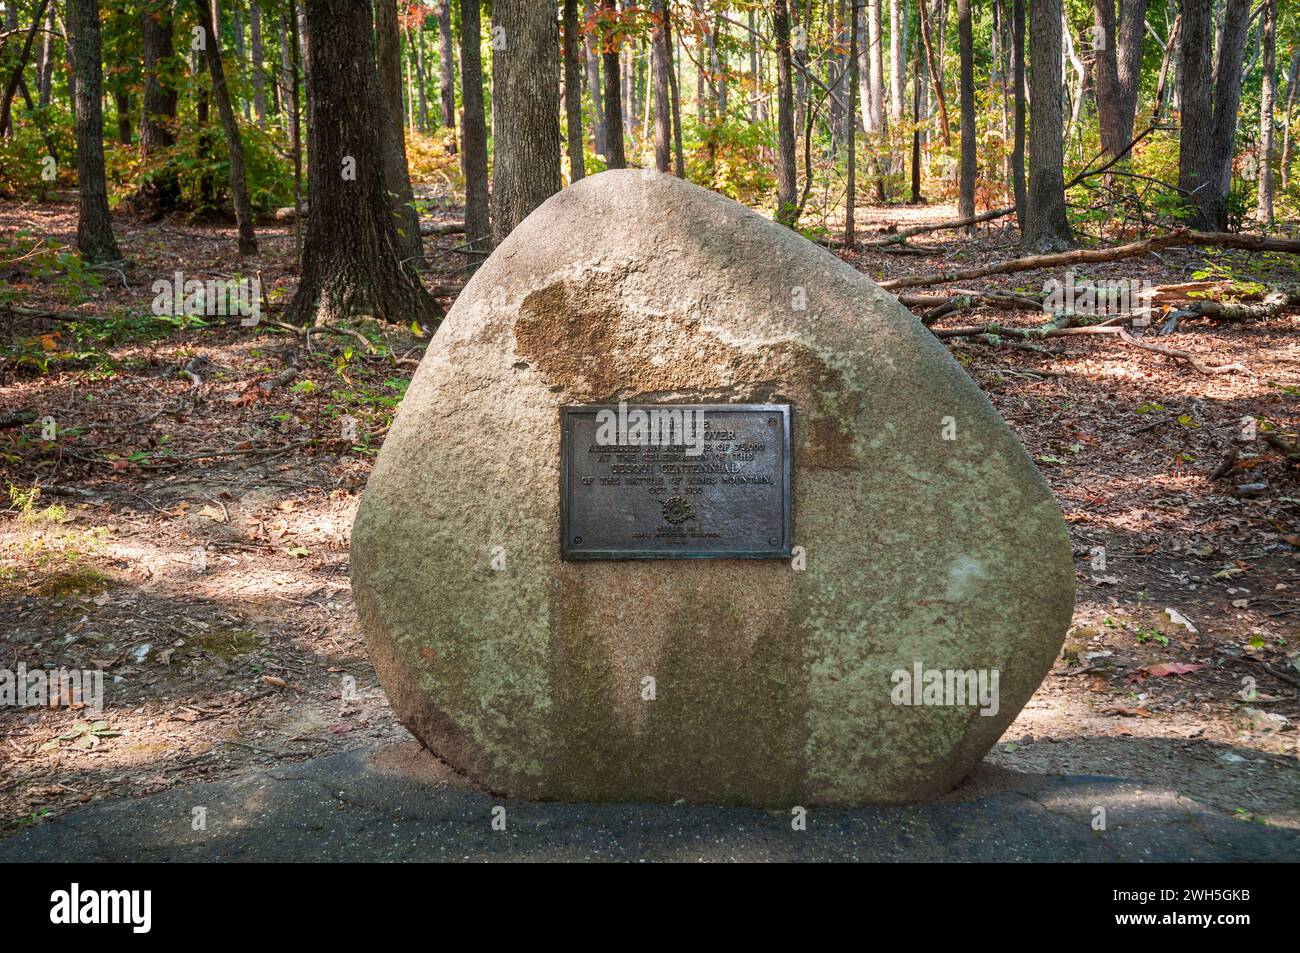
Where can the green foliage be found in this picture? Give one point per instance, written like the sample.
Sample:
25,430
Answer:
23,155
731,157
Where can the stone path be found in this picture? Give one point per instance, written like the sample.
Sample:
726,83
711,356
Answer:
393,805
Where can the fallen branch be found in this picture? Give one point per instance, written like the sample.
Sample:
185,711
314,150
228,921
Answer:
992,332
1177,238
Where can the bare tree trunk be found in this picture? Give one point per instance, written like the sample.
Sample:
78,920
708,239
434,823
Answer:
917,85
787,210
388,51
969,167
286,71
1018,80
614,156
936,72
420,75
679,162
45,76
446,71
850,137
259,60
1266,97
525,112
1292,74
662,88
573,90
234,143
1106,76
1128,52
1045,227
897,58
94,228
478,233
594,88
876,58
351,263
1227,99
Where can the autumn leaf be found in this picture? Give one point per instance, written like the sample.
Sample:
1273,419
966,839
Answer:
1171,668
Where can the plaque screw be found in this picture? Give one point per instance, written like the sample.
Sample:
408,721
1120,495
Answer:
771,542
577,539
771,421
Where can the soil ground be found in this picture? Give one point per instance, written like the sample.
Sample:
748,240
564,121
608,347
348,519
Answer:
191,538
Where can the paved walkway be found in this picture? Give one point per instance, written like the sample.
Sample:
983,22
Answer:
372,806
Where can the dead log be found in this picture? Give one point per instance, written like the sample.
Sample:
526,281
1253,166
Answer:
1180,237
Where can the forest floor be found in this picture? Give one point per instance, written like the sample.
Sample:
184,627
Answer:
192,537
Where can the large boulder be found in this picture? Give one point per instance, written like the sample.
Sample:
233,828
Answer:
928,542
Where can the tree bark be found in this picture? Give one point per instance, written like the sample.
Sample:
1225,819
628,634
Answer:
594,89
850,137
897,58
1106,77
234,143
351,263
876,59
447,71
525,111
1128,52
787,210
388,49
1195,139
1045,227
679,161
662,87
1227,98
573,90
614,155
969,168
1018,80
259,60
936,77
1264,205
478,234
1292,74
94,228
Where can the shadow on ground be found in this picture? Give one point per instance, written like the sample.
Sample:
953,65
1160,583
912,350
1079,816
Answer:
399,804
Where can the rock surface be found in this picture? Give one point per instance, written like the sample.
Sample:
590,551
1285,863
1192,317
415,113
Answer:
774,685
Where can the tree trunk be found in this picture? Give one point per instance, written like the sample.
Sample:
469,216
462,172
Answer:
897,58
234,143
851,138
1195,140
478,234
122,102
573,90
259,60
876,58
525,112
1227,98
388,50
420,76
787,209
969,167
1106,77
1292,74
1045,227
662,88
935,69
1128,52
94,229
447,71
351,263
1018,80
594,88
614,155
679,162
1265,203
45,77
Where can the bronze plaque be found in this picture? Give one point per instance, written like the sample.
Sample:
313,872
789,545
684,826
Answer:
675,481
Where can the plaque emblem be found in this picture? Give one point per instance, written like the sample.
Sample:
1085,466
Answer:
678,510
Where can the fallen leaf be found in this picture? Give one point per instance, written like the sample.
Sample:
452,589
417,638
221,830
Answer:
1171,668
274,680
